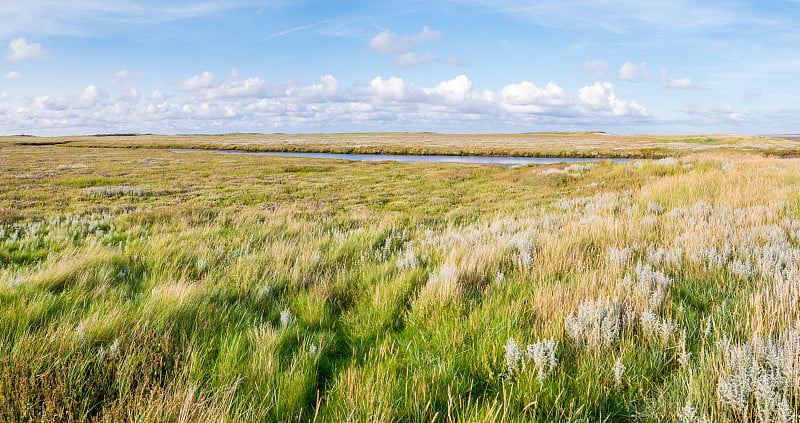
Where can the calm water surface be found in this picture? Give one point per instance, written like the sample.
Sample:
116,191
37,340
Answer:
499,161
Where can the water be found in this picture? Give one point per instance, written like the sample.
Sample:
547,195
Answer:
498,161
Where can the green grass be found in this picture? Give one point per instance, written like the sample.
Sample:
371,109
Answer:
259,288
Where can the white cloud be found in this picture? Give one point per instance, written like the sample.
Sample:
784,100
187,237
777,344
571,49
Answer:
89,97
409,59
20,50
684,83
453,92
120,76
638,17
12,75
527,97
383,104
48,103
389,44
727,112
453,61
325,90
627,72
250,87
198,82
129,95
84,17
596,67
601,98
401,48
157,96
393,89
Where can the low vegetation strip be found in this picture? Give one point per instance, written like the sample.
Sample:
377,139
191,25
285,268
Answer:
547,144
235,288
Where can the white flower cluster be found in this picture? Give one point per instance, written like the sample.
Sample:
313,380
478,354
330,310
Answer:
742,269
657,328
761,378
654,208
57,232
647,284
109,353
617,257
515,238
442,287
113,191
287,319
579,167
68,166
597,323
408,259
689,414
664,257
619,372
541,355
711,259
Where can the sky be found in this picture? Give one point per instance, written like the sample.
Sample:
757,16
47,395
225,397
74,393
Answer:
451,66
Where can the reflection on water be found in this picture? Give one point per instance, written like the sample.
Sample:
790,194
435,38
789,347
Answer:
499,161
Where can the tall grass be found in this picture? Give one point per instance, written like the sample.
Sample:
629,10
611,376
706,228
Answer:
665,291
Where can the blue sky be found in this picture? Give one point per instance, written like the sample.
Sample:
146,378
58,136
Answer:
102,66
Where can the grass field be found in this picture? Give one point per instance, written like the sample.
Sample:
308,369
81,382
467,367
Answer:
545,144
145,285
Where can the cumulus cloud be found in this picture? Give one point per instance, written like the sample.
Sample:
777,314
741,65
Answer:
392,89
601,98
12,75
157,96
233,88
627,72
596,67
129,95
198,82
401,48
527,97
19,49
453,92
684,83
89,97
388,103
325,90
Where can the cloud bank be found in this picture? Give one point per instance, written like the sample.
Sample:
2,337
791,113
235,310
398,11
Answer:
204,103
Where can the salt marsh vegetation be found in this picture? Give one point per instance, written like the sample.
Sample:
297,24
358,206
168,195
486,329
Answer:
265,290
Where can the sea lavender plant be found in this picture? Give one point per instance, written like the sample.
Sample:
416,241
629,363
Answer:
689,414
287,319
618,257
619,372
761,377
408,259
596,323
541,356
515,361
654,208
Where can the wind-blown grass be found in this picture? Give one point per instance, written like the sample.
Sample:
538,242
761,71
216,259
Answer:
247,291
